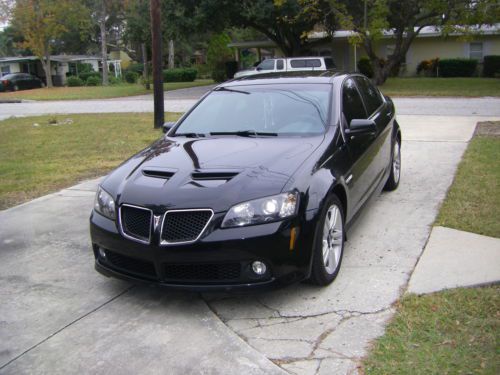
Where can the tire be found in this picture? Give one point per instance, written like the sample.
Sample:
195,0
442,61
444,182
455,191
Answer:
395,175
326,266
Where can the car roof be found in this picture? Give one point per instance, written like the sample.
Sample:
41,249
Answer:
311,76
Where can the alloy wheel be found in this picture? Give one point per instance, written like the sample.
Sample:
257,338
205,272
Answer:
332,239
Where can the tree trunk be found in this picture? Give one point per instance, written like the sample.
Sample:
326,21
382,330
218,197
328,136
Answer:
171,54
104,50
47,69
145,75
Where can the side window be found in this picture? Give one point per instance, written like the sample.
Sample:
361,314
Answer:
313,63
279,65
298,63
329,64
370,93
266,65
352,105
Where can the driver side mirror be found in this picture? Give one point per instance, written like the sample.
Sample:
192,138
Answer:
361,126
167,126
258,68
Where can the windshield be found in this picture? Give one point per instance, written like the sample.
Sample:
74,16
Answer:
299,109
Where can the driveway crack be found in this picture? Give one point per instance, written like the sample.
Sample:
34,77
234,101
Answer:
67,325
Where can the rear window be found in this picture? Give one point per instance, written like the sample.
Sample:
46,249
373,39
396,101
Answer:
309,63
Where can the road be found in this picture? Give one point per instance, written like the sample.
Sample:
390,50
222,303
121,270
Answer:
182,100
58,316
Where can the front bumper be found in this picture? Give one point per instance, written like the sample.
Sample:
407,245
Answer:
219,260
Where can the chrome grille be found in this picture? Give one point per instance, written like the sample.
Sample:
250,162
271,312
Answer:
183,226
136,222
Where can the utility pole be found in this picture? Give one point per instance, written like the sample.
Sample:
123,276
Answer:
157,63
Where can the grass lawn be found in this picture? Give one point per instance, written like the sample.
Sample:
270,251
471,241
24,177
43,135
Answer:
37,158
473,201
441,87
450,332
96,92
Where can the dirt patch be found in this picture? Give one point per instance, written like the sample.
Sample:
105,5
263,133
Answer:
488,129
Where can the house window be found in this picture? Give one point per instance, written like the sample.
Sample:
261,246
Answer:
476,51
5,70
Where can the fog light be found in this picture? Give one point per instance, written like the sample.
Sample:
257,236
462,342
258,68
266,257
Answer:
259,268
102,253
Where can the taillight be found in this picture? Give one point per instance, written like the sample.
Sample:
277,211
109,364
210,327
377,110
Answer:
5,82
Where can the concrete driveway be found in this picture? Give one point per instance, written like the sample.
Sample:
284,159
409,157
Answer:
58,316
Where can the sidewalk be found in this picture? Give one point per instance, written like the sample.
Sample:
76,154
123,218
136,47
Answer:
453,258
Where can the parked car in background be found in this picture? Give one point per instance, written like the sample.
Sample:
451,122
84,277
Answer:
254,187
291,64
19,81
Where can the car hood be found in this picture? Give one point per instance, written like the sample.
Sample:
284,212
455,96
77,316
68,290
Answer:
213,172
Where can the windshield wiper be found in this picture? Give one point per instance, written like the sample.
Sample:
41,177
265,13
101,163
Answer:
189,135
246,133
231,90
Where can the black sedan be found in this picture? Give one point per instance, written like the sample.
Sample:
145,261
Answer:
19,81
254,187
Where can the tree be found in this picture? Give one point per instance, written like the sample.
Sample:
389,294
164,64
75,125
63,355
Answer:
43,21
405,19
285,22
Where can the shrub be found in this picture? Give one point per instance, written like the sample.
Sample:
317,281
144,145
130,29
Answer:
219,72
136,67
231,68
491,66
180,75
365,67
131,77
457,67
204,71
73,81
93,81
114,81
428,67
85,75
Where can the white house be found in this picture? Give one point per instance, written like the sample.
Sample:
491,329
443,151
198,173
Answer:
61,66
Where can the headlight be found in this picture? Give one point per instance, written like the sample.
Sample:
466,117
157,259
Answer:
104,204
262,210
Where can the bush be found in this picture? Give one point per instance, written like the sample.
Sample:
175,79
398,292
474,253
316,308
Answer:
85,75
93,81
136,67
131,77
204,70
114,81
219,72
457,67
428,67
491,66
231,68
180,75
73,81
365,67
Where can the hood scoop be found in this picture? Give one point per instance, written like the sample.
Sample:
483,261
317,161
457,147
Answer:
213,176
157,173
210,179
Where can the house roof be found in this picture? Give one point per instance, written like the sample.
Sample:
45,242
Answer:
426,32
57,58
